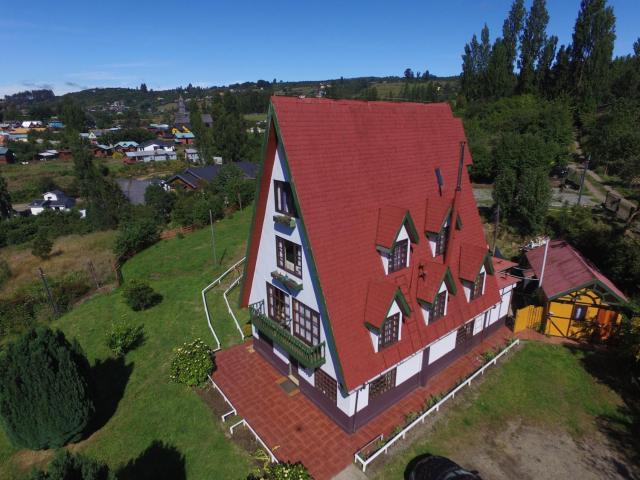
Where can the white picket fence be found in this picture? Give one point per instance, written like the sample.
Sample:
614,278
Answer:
217,281
242,421
402,434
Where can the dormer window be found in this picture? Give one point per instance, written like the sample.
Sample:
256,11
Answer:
398,256
284,198
478,286
439,307
390,331
289,256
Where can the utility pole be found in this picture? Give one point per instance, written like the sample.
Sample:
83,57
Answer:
239,201
54,307
495,230
584,174
213,241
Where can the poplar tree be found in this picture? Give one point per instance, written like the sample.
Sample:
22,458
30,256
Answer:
511,31
592,49
532,42
44,394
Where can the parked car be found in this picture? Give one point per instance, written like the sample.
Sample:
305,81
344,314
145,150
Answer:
433,467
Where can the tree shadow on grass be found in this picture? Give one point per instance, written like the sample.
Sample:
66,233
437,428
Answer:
109,379
621,427
159,460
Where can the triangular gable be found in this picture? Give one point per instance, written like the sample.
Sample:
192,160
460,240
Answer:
380,299
436,273
472,258
390,223
437,211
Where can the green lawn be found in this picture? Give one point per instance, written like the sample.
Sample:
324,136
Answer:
151,408
542,385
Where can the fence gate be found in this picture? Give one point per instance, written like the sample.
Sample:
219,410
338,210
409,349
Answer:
528,317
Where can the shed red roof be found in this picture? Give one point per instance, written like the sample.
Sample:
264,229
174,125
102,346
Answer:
348,160
566,270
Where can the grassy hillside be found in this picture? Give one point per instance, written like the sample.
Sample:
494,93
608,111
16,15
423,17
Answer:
138,404
546,386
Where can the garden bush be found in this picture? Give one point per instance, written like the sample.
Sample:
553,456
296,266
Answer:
192,363
44,394
42,246
140,296
282,471
123,338
66,466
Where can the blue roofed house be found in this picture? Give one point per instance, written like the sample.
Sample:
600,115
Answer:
54,200
197,177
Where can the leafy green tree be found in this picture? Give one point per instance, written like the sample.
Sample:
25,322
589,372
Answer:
499,80
42,246
6,209
592,49
532,42
67,466
615,138
72,116
522,186
44,394
140,296
159,201
134,235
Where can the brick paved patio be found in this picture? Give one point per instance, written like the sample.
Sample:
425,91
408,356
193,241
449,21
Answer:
296,430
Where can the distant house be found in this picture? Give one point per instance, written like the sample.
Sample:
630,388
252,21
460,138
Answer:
184,138
192,155
577,298
162,130
55,124
207,120
48,155
18,137
31,124
54,200
159,155
65,154
126,146
197,177
102,151
153,145
6,156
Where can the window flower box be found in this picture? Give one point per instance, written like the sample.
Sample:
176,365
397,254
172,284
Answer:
285,220
286,280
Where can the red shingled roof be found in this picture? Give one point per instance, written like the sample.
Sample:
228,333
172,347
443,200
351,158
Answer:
471,259
390,220
566,270
348,160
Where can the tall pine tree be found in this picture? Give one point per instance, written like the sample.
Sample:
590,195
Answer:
5,200
511,31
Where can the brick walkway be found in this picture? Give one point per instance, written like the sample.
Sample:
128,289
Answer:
296,430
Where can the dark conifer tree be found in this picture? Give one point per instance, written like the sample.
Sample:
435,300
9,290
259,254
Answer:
5,200
511,31
44,395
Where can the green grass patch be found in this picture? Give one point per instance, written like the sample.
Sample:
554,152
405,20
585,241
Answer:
151,407
541,385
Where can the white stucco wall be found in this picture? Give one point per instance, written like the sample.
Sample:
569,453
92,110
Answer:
409,368
267,262
442,346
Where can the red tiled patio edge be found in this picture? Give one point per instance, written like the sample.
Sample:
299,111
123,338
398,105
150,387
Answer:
296,430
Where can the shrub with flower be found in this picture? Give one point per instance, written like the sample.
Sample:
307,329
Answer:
282,471
192,363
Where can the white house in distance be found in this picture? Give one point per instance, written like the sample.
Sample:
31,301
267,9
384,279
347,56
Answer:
54,200
368,270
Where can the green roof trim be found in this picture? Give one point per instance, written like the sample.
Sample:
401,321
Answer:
412,231
322,304
451,286
402,303
446,217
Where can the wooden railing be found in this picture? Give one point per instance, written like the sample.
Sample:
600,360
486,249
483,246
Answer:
308,356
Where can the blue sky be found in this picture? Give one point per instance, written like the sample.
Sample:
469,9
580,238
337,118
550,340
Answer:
70,45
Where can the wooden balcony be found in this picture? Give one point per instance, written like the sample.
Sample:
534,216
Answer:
308,356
